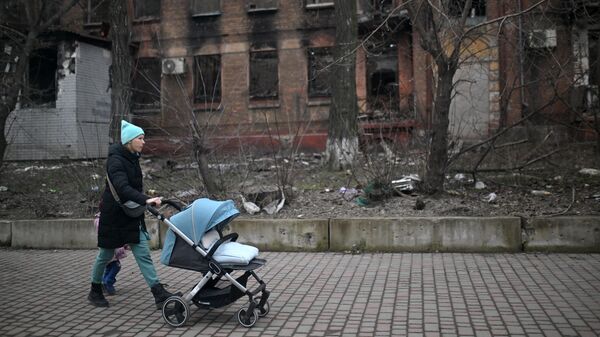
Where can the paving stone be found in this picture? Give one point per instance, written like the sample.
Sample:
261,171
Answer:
319,294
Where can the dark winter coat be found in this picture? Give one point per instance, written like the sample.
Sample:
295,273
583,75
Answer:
116,228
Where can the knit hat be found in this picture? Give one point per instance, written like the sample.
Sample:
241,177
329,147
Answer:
129,132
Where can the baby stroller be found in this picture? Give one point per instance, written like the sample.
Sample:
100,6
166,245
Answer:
195,241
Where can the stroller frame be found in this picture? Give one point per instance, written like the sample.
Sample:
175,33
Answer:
176,309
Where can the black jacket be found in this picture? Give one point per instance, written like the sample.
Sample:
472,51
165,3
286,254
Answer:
116,228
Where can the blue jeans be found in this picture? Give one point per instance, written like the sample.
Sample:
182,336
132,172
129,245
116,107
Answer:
110,273
141,252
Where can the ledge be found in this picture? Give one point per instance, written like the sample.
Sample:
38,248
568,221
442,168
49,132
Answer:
579,234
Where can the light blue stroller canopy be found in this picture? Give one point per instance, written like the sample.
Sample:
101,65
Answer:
198,218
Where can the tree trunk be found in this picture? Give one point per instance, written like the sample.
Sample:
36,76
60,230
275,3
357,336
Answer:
342,140
200,151
437,158
121,69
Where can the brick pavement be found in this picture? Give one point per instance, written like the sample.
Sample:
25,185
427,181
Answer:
320,294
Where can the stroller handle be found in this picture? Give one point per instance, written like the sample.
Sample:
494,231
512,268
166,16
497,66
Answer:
174,204
169,202
152,210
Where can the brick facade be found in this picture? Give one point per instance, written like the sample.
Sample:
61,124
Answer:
510,87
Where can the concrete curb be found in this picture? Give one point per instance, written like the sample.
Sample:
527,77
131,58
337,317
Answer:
428,234
563,234
443,234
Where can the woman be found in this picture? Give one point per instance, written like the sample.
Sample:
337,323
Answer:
116,228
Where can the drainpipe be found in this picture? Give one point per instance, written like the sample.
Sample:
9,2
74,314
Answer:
521,48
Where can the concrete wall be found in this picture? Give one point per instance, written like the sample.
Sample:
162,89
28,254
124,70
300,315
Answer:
283,235
63,234
5,233
563,234
278,235
500,234
436,234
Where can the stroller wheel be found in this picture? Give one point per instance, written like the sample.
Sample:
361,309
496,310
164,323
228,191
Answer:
262,312
245,319
175,311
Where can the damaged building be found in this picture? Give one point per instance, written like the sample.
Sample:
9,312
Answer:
65,107
256,74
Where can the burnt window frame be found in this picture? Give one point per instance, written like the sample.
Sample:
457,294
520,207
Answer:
252,7
145,16
312,54
91,9
255,91
201,96
479,7
376,94
317,4
142,106
33,97
198,13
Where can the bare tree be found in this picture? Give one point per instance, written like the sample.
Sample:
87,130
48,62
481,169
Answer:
35,16
443,36
342,139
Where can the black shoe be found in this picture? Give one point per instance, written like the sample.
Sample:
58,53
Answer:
96,297
161,295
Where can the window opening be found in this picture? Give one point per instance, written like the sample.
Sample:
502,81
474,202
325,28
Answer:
320,63
264,76
97,11
206,7
145,89
145,9
477,8
42,76
207,78
382,81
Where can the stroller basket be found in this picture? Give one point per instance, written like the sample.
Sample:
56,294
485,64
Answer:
214,297
184,248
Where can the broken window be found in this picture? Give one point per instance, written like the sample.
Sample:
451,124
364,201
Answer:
207,78
264,76
320,62
41,77
206,7
383,6
261,5
145,9
477,8
97,11
318,3
145,91
382,80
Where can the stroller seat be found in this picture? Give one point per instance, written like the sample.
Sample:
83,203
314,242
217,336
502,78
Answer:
233,253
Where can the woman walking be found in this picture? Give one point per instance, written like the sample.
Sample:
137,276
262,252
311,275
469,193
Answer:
117,228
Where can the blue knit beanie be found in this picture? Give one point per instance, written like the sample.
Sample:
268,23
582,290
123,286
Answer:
129,132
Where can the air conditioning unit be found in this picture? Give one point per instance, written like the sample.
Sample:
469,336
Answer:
542,38
173,66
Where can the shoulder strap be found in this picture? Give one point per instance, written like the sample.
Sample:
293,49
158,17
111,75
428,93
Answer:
112,189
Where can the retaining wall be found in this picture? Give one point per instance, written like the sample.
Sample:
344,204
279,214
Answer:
432,234
563,234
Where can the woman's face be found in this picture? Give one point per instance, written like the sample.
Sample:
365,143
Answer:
137,144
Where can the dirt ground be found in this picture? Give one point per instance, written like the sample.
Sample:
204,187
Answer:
566,183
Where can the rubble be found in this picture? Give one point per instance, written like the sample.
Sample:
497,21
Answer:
480,185
590,171
541,192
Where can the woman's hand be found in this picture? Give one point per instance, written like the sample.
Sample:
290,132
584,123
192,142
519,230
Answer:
154,201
